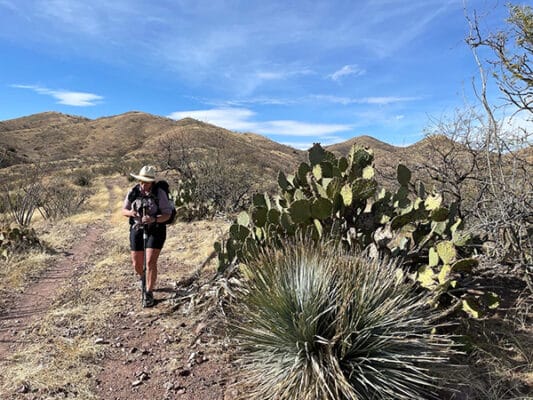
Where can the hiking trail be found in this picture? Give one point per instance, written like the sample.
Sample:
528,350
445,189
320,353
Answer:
159,352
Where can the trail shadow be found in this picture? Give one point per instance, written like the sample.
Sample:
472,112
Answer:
165,290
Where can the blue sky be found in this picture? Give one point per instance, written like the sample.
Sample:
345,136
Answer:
298,72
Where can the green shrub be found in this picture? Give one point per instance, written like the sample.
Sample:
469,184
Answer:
320,323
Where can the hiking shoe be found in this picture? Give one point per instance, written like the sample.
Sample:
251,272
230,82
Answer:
148,300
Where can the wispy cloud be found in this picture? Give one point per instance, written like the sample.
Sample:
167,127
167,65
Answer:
376,100
346,71
386,100
240,119
280,73
69,98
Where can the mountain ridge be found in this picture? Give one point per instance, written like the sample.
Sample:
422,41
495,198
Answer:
49,122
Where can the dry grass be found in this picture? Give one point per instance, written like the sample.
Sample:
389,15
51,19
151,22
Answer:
501,357
61,356
16,274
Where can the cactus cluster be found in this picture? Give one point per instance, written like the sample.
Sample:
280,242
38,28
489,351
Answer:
16,239
185,198
339,198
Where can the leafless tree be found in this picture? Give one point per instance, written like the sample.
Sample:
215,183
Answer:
513,51
483,163
218,177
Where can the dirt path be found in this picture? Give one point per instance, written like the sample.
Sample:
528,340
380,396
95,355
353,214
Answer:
24,309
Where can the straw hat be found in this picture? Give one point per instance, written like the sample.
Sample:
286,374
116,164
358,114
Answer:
146,174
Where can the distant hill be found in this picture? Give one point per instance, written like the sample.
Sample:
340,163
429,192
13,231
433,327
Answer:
131,138
134,136
39,120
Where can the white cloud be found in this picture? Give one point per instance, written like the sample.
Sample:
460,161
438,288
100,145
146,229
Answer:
345,71
298,145
69,98
296,128
229,118
239,119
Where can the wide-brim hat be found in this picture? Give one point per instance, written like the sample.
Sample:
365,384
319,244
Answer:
146,174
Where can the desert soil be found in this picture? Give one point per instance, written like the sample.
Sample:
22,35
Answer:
164,352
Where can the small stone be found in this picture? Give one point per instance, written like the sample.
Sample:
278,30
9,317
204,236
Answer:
100,341
137,382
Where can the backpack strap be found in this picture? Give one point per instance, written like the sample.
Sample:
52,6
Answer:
134,194
155,192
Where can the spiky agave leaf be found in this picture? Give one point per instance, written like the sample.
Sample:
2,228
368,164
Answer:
318,323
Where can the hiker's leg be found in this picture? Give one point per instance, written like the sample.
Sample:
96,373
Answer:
151,273
137,259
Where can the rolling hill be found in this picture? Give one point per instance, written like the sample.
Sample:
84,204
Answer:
53,137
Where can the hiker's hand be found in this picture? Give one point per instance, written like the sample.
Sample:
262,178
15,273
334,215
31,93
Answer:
147,219
134,214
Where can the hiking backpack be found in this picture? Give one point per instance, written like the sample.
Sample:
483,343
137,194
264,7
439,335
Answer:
136,192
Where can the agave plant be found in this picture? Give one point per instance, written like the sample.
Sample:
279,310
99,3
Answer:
319,323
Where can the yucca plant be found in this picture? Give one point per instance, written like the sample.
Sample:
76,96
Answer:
317,323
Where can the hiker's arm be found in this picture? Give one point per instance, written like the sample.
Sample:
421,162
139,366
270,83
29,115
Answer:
129,213
160,218
127,209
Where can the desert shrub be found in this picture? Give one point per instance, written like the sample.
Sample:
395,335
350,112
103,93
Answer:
60,200
82,177
214,180
486,169
320,323
21,203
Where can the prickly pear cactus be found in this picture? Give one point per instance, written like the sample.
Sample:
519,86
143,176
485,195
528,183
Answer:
339,198
15,239
188,208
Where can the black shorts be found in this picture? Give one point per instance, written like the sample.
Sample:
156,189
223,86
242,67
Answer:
157,234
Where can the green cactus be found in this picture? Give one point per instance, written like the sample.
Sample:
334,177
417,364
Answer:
259,216
341,198
403,175
321,208
300,211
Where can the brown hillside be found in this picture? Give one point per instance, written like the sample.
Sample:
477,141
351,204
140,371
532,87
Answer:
39,120
386,156
365,141
133,136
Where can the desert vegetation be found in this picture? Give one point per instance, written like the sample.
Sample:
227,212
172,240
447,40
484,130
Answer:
291,275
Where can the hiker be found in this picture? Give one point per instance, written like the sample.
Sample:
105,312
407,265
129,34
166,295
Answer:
148,208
